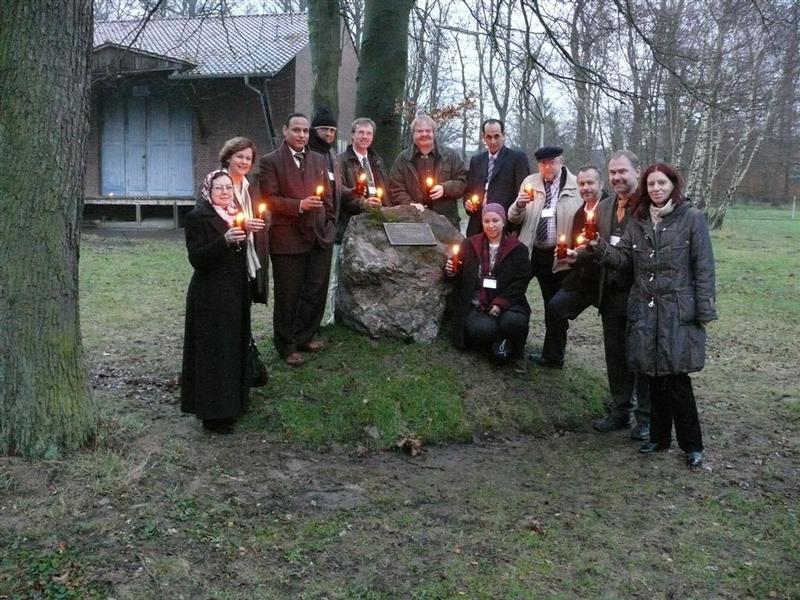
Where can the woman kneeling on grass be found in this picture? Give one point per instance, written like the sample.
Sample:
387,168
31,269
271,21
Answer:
491,310
217,331
668,246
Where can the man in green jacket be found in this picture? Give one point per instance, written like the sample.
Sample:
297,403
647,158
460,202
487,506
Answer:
428,175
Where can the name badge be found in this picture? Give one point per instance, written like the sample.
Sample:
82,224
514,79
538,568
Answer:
490,283
614,240
330,175
548,213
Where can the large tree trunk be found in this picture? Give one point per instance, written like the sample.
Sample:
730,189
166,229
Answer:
324,29
382,71
45,403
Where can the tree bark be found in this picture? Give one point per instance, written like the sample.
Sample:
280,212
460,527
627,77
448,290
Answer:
45,402
325,33
382,71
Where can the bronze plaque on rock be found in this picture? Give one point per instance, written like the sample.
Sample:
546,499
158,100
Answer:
409,234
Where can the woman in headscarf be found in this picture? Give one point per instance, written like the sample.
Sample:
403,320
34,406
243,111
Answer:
217,330
237,157
491,311
668,247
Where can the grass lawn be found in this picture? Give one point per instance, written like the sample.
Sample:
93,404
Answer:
515,497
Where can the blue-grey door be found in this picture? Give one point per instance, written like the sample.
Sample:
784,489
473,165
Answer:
146,147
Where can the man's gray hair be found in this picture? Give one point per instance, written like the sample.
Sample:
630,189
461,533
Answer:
425,118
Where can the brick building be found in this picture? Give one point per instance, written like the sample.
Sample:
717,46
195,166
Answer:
166,96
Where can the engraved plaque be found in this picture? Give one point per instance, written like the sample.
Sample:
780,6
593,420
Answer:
409,234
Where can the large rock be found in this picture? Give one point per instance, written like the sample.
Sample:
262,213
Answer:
394,291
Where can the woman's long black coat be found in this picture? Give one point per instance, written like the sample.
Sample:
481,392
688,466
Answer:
217,332
513,272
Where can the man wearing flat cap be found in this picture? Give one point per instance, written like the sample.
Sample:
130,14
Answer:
544,211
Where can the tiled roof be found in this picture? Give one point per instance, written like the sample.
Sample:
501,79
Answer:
229,46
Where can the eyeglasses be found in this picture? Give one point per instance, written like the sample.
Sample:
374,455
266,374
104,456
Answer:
222,188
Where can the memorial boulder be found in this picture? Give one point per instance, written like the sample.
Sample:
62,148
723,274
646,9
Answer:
397,291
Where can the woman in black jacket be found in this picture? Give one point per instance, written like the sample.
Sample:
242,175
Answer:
668,247
217,330
491,311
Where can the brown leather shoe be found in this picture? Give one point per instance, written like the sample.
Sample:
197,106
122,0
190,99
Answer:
295,359
314,346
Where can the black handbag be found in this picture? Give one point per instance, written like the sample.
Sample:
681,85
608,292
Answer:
257,375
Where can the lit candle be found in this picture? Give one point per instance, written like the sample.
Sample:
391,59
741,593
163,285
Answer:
529,189
455,258
590,229
361,185
561,247
320,190
238,221
429,184
262,210
379,194
475,202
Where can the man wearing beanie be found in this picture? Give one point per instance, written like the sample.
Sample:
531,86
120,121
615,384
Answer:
544,211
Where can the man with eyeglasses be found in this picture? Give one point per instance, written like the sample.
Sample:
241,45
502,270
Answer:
428,175
301,239
544,210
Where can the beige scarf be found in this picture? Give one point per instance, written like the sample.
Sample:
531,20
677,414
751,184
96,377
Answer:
657,214
243,198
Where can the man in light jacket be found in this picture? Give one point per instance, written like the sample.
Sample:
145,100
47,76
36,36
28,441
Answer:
544,210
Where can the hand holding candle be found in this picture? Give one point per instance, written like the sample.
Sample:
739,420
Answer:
525,196
473,204
362,189
453,265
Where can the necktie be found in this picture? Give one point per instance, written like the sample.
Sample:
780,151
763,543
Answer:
542,226
489,170
300,156
365,166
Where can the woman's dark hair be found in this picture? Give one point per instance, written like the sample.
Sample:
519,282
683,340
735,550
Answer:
232,146
640,204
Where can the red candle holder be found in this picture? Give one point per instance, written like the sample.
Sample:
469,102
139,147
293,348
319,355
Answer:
561,247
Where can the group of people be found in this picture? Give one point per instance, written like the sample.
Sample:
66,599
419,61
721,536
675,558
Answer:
641,255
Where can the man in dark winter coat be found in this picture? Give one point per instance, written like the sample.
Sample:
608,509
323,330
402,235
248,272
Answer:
613,216
360,159
428,175
494,175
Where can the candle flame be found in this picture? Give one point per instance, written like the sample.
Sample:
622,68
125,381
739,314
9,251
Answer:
590,216
362,177
475,198
456,249
262,208
379,192
320,190
562,239
239,219
528,189
429,182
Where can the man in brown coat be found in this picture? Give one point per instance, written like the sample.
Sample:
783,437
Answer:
294,183
427,174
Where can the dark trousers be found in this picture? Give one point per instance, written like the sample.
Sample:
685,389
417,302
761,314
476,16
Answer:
672,401
301,292
483,330
621,381
555,337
